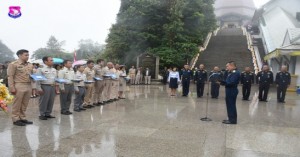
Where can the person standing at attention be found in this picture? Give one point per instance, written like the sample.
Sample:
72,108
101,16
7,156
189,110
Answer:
173,80
47,88
67,88
20,86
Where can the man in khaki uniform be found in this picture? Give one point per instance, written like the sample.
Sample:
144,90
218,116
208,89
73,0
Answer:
90,74
47,88
99,84
67,88
20,85
132,73
3,74
115,83
108,82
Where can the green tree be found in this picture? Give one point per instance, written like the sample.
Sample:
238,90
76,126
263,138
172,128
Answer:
88,49
171,29
53,49
5,53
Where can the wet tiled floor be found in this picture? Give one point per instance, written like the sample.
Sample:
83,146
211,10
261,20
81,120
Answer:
149,123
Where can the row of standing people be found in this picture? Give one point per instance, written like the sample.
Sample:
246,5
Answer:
200,77
89,91
137,75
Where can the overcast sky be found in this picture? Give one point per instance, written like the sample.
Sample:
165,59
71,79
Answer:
69,20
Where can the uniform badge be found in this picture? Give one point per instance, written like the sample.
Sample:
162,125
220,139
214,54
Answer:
14,12
286,74
234,71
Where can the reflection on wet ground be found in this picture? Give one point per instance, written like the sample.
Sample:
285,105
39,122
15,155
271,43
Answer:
150,123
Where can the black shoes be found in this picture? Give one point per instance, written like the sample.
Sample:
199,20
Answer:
281,101
49,116
82,109
228,122
26,121
19,123
77,110
66,113
43,117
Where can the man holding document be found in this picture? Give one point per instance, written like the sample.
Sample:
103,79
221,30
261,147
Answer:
47,88
66,87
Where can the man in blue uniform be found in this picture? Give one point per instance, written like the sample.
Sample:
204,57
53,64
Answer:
200,78
215,76
265,79
231,88
283,81
247,79
186,76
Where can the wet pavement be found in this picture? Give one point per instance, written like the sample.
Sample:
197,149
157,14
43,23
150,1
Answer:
150,123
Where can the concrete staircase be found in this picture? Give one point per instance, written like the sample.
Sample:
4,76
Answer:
228,45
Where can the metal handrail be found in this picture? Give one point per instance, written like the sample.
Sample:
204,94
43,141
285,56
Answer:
250,47
202,48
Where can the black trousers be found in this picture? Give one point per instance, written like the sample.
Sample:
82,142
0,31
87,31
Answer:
281,91
263,91
200,89
215,87
246,91
231,94
185,86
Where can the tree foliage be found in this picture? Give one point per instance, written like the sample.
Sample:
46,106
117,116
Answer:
88,49
5,53
53,49
171,29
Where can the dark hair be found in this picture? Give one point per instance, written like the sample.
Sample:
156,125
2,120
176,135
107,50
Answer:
90,61
232,63
20,52
45,58
99,60
78,66
66,61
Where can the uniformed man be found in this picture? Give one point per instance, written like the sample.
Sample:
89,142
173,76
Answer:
79,88
186,76
108,82
115,83
20,86
265,79
200,78
99,84
247,79
132,73
67,88
90,74
47,88
231,88
215,76
283,81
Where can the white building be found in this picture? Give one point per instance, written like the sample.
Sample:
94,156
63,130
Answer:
234,13
278,22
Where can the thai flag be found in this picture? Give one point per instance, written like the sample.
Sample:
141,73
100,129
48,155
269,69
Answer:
74,56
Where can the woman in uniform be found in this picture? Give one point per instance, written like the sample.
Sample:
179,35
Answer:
173,80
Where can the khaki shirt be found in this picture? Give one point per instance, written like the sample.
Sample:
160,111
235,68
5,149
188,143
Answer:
115,72
89,73
79,76
50,73
19,72
132,71
106,72
99,71
67,74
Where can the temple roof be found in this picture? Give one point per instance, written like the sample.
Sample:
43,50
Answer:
243,8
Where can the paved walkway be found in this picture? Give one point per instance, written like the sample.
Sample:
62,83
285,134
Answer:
149,123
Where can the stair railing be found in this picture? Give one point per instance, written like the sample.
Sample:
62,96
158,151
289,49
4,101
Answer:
203,47
251,48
